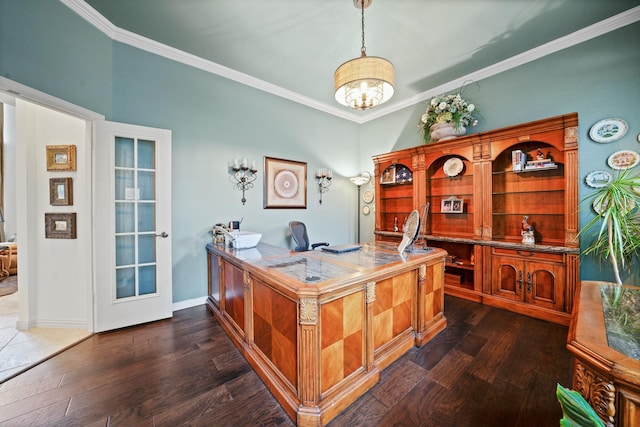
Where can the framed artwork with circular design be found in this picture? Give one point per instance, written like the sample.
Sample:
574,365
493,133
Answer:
285,184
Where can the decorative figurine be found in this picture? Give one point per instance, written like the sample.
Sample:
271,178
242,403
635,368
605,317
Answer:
527,231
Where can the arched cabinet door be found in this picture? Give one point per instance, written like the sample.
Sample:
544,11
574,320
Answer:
529,277
544,284
507,277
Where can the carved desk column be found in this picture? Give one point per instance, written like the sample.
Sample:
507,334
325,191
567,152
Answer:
309,366
370,347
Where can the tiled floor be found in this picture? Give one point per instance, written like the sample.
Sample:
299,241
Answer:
19,350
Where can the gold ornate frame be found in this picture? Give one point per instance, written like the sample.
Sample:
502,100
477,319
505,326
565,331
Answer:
61,157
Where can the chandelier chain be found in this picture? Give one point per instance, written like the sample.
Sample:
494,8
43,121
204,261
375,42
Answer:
363,49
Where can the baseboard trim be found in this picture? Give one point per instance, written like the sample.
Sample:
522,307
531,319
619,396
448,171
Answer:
54,324
181,305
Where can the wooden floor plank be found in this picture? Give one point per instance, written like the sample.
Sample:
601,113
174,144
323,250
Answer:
488,367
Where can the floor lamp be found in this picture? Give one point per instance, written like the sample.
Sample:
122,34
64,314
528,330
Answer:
359,181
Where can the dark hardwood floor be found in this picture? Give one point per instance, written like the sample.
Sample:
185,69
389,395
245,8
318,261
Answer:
488,368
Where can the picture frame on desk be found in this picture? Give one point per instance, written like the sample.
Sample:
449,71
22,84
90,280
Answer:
61,191
61,157
285,184
60,225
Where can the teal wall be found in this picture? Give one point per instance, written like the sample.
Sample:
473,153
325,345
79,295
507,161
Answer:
214,120
597,79
46,46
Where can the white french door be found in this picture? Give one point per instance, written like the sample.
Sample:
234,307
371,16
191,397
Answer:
132,225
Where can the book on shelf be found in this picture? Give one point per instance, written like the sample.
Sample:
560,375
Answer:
518,160
540,164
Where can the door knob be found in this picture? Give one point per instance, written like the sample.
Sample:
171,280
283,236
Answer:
164,235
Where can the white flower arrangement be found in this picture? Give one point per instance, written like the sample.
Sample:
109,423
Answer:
450,108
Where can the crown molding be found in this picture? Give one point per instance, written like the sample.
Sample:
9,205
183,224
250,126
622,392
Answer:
92,16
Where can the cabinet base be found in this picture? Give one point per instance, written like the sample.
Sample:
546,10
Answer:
528,310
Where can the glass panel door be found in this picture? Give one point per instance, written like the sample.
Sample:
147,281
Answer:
135,218
132,225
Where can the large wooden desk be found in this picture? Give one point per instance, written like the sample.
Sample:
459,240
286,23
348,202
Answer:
318,327
606,378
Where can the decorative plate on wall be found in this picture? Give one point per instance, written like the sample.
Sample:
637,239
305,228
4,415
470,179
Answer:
598,206
623,159
598,179
366,210
453,167
608,130
367,196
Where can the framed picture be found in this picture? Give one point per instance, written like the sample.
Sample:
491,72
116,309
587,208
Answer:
285,184
60,225
389,175
61,157
452,205
61,191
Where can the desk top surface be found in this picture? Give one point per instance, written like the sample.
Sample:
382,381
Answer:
319,266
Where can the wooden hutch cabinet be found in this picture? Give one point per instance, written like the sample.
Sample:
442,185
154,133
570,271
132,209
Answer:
482,191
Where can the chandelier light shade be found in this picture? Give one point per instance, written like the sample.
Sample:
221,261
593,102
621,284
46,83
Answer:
367,81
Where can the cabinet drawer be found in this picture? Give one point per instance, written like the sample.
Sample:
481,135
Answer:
529,254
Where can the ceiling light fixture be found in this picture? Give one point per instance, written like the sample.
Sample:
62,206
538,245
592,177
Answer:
367,81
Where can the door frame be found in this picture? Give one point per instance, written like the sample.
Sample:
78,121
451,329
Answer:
12,90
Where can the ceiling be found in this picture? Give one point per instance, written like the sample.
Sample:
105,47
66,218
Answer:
293,47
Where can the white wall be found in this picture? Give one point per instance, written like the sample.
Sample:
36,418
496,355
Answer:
54,274
9,157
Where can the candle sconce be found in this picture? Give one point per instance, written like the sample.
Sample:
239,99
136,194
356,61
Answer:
243,175
324,178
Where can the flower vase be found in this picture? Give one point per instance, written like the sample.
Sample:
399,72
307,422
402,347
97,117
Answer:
445,130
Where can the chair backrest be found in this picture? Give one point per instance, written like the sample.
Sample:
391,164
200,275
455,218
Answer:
299,234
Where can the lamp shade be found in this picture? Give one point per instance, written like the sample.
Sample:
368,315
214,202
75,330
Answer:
364,82
360,180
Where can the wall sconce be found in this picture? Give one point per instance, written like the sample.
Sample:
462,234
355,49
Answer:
243,175
323,176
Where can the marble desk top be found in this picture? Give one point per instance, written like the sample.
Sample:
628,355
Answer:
317,265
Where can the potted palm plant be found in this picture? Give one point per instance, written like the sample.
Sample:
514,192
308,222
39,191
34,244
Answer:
615,230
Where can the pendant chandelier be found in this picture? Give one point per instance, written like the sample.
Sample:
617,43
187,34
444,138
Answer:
367,81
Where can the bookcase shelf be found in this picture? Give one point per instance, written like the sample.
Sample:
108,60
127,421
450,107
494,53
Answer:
486,236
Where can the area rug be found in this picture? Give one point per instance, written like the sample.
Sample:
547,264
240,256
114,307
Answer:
9,285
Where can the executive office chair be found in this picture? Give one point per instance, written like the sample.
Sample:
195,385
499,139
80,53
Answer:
299,234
